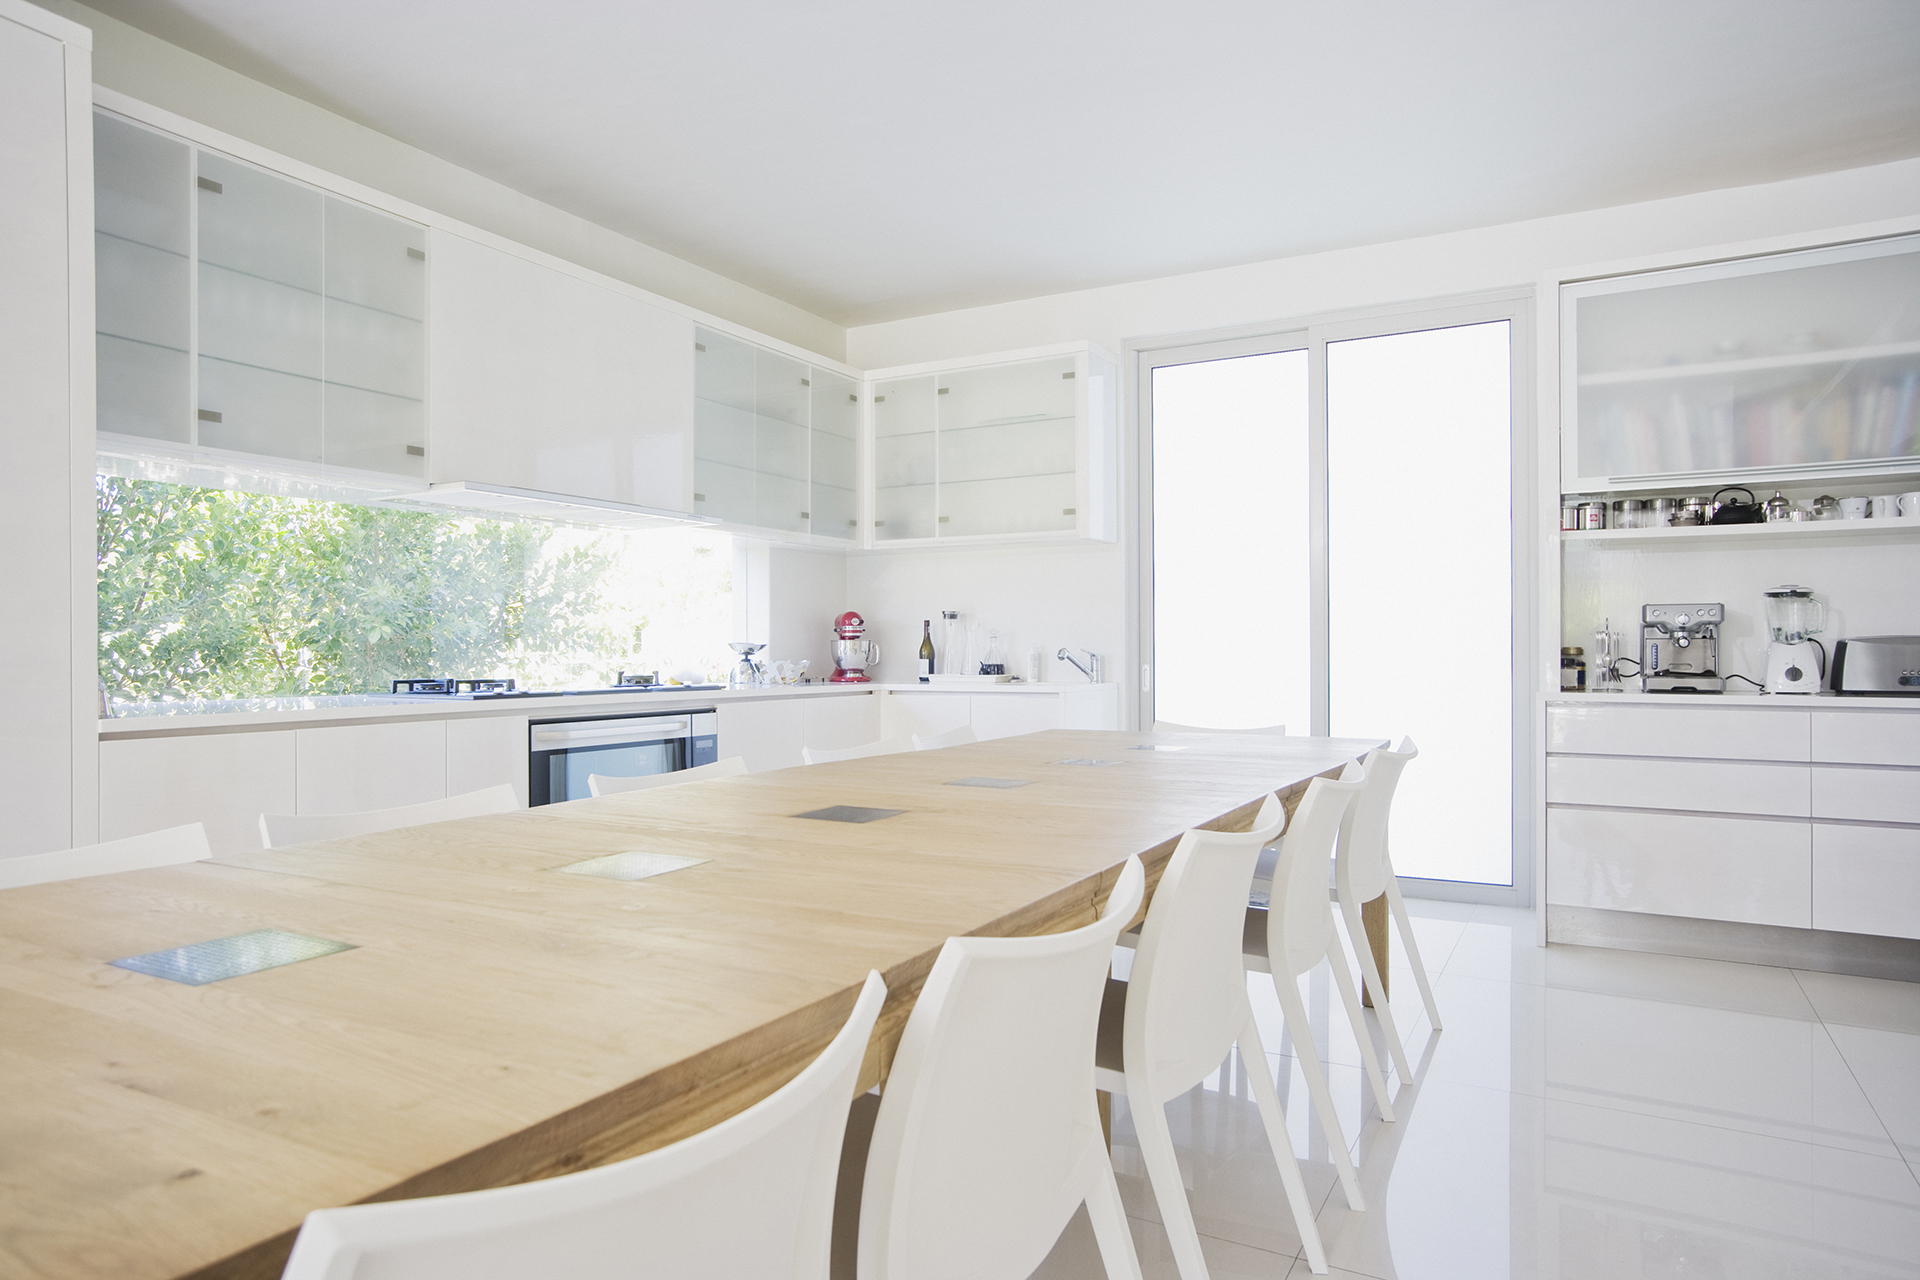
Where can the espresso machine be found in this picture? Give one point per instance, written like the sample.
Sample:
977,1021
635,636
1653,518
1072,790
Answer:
853,653
1795,661
1680,648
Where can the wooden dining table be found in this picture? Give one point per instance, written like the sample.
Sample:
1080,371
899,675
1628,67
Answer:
496,1020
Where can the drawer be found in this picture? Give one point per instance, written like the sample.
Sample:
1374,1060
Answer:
1751,870
1710,733
1867,737
1706,786
1866,795
1866,880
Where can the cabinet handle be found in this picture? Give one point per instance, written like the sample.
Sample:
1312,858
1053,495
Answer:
417,254
208,184
416,451
208,415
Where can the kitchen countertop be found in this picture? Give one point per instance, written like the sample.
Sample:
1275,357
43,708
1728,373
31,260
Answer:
1749,698
241,715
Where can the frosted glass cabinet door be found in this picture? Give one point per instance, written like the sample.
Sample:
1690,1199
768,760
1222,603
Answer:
835,464
782,400
1801,362
260,311
375,306
723,427
904,418
1008,437
142,239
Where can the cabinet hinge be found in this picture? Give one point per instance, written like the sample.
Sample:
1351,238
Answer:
208,415
853,399
1069,511
208,184
699,497
419,255
806,382
1068,375
806,515
699,346
879,399
944,519
878,523
416,451
942,391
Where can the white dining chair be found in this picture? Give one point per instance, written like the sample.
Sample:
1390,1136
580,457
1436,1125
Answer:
884,747
279,829
748,1199
135,853
1183,1009
601,784
951,738
1168,726
1295,932
987,1139
1362,872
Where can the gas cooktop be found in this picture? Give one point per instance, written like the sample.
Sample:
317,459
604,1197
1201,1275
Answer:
491,690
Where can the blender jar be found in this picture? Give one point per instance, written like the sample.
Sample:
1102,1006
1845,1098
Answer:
1793,614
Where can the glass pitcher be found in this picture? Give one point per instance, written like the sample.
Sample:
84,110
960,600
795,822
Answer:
1793,614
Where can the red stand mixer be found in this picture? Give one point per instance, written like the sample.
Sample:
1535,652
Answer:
853,653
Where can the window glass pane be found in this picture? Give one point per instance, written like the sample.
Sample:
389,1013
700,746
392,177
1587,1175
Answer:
1420,605
1231,608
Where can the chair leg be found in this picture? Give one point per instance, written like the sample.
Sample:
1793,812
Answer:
1309,1060
1369,1056
1399,906
1108,1213
1106,1117
1357,935
1163,1172
1274,1118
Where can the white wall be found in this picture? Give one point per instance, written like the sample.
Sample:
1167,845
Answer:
164,75
807,590
1081,599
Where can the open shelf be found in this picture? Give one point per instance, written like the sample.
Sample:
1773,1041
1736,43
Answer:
1789,530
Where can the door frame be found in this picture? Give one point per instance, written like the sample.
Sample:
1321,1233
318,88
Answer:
1311,333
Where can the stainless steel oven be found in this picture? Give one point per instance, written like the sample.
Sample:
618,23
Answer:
563,752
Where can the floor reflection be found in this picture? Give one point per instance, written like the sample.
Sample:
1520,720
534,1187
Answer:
1585,1115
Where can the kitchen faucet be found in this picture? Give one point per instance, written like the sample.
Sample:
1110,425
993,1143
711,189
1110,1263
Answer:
1091,671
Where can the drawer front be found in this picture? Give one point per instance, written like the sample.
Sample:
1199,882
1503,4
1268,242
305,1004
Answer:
1704,786
1709,733
1866,795
1866,880
1750,870
1867,737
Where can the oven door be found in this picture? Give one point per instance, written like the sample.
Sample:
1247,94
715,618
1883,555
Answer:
562,753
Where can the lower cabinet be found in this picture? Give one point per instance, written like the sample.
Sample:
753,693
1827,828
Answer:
1707,866
1003,714
485,752
371,766
223,780
769,734
1866,879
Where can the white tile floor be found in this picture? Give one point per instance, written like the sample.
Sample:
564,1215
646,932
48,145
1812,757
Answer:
1584,1115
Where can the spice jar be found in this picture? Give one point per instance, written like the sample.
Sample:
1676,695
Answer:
1573,670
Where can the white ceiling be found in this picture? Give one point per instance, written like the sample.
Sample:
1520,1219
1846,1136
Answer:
871,159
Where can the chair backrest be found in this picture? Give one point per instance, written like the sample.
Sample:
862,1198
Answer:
752,1197
277,829
951,738
135,853
601,784
1168,726
1361,871
1299,918
884,747
989,1109
1186,995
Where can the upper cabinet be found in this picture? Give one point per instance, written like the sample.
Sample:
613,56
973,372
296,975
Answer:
1788,366
1016,447
241,311
776,440
542,380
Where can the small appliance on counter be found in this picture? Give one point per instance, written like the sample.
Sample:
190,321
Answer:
853,653
1680,648
747,673
1877,664
1796,662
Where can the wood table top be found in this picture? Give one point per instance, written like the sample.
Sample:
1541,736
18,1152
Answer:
497,1022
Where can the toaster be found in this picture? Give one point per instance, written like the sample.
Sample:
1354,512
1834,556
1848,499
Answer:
1877,664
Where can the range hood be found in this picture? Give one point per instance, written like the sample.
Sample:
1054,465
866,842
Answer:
531,504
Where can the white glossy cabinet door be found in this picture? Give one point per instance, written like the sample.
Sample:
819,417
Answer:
1866,879
1866,795
834,722
1843,737
1003,715
1702,786
222,780
928,713
1751,870
348,768
1698,732
485,751
768,734
543,381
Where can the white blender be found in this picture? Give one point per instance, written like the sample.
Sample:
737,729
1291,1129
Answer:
1796,662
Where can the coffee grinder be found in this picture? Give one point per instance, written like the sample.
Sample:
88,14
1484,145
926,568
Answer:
1680,648
1796,662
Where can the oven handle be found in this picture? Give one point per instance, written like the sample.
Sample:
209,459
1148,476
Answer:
646,731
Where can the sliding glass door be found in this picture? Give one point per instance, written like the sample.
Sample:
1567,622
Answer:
1327,522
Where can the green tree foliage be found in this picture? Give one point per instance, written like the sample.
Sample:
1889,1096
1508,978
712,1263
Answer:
211,593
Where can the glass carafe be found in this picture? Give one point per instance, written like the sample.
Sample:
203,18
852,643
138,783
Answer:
1793,614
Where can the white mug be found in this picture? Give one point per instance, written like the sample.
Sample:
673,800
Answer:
1882,505
1910,503
1853,508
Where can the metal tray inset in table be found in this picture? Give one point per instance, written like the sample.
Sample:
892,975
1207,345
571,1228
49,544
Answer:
849,813
632,865
202,962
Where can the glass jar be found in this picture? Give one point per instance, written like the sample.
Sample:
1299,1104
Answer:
1573,670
